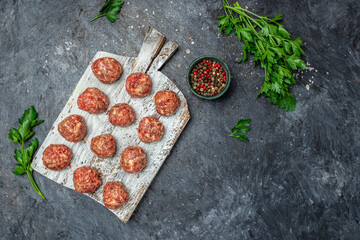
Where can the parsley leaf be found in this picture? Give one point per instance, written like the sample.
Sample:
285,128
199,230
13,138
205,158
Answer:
19,136
19,169
110,9
272,48
239,131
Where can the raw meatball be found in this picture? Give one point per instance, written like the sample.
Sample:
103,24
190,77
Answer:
57,156
121,114
107,70
93,100
138,85
114,195
133,159
166,102
150,129
86,180
103,146
73,128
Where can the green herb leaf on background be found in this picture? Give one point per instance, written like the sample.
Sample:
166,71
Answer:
19,136
110,9
19,169
239,131
272,48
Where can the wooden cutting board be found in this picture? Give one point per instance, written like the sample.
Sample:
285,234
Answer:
153,54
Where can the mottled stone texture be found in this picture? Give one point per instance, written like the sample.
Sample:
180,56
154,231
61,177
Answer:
298,178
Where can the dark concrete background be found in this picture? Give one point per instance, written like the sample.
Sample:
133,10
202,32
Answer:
297,178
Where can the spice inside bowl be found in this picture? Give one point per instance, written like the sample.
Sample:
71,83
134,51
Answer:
208,77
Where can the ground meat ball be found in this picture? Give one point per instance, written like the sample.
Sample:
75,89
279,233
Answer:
86,180
138,85
166,102
93,101
114,195
150,129
73,128
121,114
107,70
57,156
133,159
103,146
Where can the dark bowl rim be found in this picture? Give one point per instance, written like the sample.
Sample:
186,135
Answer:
219,60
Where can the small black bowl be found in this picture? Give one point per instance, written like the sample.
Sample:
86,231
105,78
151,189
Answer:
216,59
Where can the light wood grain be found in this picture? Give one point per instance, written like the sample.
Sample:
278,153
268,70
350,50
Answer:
152,56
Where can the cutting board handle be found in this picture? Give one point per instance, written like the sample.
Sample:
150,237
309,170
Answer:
153,53
150,48
165,54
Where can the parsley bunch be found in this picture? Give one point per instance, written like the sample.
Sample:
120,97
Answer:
20,135
272,48
110,9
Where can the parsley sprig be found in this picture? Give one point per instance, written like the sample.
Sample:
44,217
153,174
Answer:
272,48
20,136
110,9
239,131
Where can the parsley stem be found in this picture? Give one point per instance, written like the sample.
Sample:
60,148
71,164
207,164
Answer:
245,15
246,18
33,184
29,173
228,12
98,16
252,13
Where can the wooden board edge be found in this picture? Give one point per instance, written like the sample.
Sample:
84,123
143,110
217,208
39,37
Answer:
185,117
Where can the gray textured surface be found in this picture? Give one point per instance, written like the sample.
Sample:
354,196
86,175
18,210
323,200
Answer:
297,178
